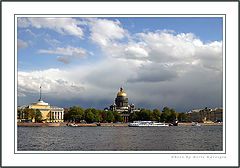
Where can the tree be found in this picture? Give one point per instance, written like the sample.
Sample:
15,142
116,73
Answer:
143,115
182,117
103,115
31,114
117,116
157,114
165,114
133,117
109,116
25,113
38,116
97,116
173,115
20,113
76,114
89,116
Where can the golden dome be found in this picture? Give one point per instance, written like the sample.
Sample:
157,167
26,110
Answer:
121,92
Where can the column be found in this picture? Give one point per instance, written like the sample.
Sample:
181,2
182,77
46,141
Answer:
62,115
54,115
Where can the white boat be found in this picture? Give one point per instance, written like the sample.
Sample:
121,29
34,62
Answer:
147,124
196,124
73,125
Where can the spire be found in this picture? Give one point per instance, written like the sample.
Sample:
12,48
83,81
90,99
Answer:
40,93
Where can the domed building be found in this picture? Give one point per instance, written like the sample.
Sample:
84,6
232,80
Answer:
121,105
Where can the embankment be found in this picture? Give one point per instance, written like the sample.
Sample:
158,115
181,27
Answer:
41,124
101,124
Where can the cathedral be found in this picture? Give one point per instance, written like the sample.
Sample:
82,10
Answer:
121,105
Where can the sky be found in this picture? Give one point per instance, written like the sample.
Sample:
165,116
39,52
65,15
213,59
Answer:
159,61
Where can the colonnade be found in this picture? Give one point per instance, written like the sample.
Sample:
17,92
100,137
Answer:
57,115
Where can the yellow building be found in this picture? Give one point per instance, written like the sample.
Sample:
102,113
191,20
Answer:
205,115
49,114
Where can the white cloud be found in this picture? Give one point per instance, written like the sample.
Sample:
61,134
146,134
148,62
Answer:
21,44
52,42
135,50
103,31
61,25
64,59
53,81
69,50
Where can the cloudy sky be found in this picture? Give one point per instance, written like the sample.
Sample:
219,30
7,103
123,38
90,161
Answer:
160,61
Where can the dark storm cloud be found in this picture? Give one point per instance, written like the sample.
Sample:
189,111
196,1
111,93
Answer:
153,75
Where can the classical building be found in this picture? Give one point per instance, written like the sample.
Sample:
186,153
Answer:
49,113
205,115
121,105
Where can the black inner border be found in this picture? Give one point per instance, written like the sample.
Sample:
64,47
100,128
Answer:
107,15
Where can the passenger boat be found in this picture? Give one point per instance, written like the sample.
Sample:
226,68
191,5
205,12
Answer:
147,124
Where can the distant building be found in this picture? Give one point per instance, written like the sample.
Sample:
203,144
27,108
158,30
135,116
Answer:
49,113
193,116
217,114
121,105
205,115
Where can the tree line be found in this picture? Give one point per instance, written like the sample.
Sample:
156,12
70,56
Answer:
167,115
77,114
29,114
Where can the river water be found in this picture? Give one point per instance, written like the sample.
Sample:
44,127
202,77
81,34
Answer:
204,138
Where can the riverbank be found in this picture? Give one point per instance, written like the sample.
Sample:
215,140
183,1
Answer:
101,124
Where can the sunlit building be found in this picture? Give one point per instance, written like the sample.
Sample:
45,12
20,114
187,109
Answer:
49,113
205,115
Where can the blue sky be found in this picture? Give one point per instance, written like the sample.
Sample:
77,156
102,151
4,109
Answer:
84,61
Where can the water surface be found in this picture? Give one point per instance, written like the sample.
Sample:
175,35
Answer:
204,138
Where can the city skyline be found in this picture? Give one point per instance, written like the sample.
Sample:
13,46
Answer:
175,62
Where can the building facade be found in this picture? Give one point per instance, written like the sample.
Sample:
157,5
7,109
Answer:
121,105
49,113
205,115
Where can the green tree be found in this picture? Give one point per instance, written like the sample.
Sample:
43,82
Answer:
31,114
173,115
165,114
157,114
109,116
76,114
117,116
38,116
89,116
97,115
144,115
20,113
133,117
182,117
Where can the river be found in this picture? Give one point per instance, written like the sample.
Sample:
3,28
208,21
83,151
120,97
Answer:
188,138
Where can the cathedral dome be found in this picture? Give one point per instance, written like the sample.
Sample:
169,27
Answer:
121,92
